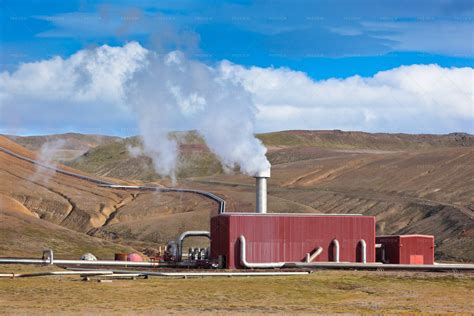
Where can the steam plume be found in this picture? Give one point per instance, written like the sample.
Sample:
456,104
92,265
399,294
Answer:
46,157
173,92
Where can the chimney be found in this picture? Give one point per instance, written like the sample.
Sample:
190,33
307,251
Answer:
261,186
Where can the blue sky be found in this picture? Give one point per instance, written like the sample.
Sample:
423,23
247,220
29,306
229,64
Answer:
322,39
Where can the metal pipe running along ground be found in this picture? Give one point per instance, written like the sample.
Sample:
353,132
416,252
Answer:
347,265
208,274
267,265
48,259
220,201
57,273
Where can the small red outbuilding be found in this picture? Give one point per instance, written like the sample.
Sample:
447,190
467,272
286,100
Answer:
406,249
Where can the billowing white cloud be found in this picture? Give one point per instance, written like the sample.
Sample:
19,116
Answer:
88,75
416,98
90,90
83,91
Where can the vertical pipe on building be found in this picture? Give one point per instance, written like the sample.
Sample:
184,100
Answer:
261,190
363,249
336,250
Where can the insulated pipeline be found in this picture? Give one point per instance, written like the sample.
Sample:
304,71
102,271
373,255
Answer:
107,184
347,265
57,273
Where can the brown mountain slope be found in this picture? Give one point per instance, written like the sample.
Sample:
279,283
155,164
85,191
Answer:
427,190
36,203
410,191
342,139
26,235
68,146
195,159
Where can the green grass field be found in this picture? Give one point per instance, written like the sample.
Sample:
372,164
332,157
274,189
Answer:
320,292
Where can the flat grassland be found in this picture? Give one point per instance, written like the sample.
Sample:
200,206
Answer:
321,292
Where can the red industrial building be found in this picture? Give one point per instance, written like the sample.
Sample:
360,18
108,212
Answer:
406,249
290,237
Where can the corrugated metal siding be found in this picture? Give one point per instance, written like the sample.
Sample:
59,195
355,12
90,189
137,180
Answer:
408,249
412,246
275,238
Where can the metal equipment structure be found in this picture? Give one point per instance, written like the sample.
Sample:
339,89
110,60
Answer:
291,238
183,236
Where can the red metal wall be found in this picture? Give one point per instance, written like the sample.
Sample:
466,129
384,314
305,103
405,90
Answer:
408,249
288,237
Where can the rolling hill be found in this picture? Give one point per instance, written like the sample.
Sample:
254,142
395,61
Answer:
42,209
115,160
69,145
411,183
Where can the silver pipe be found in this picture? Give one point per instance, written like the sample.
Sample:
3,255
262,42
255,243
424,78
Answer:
378,265
261,191
23,261
211,274
245,263
329,265
363,249
112,185
347,265
80,262
56,273
336,250
311,257
261,202
194,233
107,263
206,194
217,274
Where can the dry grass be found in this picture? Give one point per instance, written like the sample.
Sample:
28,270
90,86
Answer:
320,292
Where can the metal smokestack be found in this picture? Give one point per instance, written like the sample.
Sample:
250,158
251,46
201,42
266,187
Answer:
261,186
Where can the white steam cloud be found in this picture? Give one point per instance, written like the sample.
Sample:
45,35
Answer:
134,151
46,156
162,92
175,91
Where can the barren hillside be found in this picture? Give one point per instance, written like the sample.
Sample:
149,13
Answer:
115,160
411,183
43,209
69,145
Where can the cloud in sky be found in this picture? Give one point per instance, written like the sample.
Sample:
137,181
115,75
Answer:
87,91
416,98
83,92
